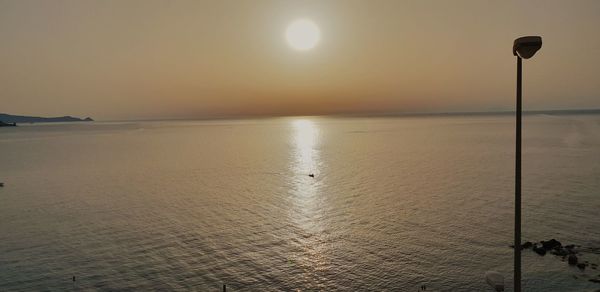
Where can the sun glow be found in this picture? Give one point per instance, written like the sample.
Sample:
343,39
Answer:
302,34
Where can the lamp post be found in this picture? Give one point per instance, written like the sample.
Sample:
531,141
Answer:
523,48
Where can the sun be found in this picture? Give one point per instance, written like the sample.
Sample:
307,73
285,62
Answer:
302,34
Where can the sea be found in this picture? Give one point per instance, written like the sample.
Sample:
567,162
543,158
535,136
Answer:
296,203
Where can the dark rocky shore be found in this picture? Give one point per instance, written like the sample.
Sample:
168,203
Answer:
3,124
570,253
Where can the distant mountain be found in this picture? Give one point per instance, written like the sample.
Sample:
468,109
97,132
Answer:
6,118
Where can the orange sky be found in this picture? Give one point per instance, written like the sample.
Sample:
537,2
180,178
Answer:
196,59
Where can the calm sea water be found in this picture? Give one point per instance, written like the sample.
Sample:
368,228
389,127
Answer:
395,203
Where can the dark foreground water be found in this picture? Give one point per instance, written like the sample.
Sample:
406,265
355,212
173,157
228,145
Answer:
395,203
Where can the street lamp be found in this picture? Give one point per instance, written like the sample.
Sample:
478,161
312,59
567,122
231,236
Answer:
523,48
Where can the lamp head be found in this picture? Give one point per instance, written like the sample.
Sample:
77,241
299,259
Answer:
526,47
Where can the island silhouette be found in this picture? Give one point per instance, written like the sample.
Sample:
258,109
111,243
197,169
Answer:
12,120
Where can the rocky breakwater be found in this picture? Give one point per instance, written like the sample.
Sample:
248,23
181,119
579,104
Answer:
571,253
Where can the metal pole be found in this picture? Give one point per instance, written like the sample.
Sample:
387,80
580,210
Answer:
517,275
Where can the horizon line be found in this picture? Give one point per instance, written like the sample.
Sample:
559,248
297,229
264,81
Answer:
365,115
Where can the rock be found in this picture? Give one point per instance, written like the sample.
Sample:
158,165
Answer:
573,260
525,245
539,250
581,266
551,244
559,252
570,249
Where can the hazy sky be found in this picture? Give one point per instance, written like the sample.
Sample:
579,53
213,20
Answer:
180,59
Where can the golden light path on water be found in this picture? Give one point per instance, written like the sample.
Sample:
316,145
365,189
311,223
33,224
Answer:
306,139
308,201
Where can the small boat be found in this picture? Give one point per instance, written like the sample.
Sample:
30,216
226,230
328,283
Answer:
1,184
312,175
495,279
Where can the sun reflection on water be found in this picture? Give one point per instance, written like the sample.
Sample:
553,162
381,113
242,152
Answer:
305,140
308,203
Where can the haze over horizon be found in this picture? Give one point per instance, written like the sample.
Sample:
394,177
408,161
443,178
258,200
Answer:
184,59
